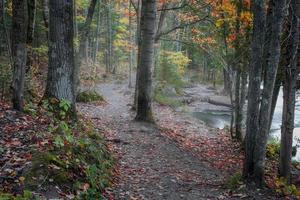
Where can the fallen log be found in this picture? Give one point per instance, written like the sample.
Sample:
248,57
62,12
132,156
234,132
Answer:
219,103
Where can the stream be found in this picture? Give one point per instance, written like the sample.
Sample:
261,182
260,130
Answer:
221,118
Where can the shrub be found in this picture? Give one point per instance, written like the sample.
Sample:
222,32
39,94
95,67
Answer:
234,181
273,149
283,188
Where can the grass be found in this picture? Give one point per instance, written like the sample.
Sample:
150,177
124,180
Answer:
167,101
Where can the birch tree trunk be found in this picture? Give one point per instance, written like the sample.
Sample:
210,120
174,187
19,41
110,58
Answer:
19,52
148,26
60,80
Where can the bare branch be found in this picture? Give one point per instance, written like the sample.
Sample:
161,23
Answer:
134,6
157,37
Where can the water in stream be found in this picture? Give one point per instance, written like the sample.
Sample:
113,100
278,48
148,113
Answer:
221,118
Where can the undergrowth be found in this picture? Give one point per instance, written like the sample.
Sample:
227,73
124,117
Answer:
235,181
273,149
71,155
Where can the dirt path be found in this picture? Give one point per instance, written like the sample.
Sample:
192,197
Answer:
151,165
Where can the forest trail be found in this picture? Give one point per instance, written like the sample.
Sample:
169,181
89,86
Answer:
151,165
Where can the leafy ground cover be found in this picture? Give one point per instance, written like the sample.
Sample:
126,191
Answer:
46,156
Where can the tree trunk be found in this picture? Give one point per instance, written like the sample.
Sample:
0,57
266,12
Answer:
82,42
30,30
238,69
97,33
6,31
276,93
138,43
19,52
255,69
148,26
60,80
131,50
109,38
267,93
226,81
237,106
161,21
243,93
291,71
46,13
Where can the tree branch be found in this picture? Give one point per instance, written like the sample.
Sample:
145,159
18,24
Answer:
134,6
173,8
157,37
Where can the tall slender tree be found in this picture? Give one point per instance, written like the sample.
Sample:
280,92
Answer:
30,30
83,38
258,122
268,87
19,52
291,71
148,26
255,70
60,80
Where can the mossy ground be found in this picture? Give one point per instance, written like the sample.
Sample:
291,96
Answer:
80,164
89,96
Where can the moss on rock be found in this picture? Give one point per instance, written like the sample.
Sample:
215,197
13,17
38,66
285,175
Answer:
89,96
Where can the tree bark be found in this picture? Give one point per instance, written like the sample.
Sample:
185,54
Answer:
97,33
131,50
30,30
60,80
19,52
138,43
46,13
148,26
31,20
267,93
291,71
277,86
255,69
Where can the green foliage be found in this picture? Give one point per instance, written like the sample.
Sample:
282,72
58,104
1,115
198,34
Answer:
282,187
170,75
27,195
30,109
89,96
161,97
78,159
41,51
171,68
234,181
273,149
59,109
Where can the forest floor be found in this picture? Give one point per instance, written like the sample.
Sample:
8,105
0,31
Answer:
177,158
